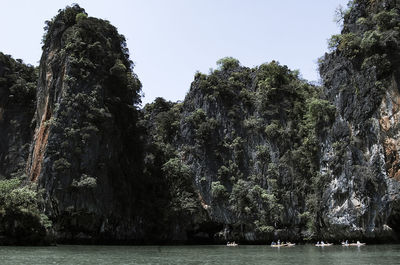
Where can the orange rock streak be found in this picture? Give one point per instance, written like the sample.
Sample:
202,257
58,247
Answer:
41,137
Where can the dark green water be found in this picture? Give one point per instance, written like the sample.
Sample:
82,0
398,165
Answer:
98,255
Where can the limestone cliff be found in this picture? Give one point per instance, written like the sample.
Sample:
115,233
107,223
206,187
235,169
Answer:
360,153
249,137
17,107
86,149
251,154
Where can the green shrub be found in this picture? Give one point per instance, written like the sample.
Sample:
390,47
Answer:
61,164
320,112
252,123
80,16
179,180
370,40
218,190
350,44
196,117
386,19
263,153
274,75
261,228
119,69
362,21
380,62
176,171
223,173
205,130
228,63
229,172
273,130
334,41
85,182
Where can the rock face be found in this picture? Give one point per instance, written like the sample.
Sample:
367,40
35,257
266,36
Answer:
238,136
17,107
250,140
360,152
86,149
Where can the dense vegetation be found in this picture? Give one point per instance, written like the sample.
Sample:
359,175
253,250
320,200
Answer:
17,105
370,41
21,220
173,196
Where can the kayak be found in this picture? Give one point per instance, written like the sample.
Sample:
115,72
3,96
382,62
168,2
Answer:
354,244
358,244
283,245
324,245
278,246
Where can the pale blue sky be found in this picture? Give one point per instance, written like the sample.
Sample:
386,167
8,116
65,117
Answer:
170,40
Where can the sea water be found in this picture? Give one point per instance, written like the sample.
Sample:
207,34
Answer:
186,255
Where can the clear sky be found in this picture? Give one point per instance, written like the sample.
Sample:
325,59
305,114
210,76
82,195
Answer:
170,40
